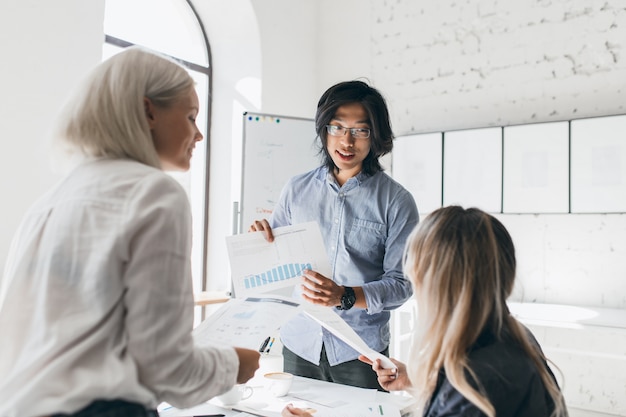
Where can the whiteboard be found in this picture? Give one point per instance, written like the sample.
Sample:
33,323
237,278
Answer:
275,148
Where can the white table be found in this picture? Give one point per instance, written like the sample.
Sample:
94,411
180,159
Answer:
304,392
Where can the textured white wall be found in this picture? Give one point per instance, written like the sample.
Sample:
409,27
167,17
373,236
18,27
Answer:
453,64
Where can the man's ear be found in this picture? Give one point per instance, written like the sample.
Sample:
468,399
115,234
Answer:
149,109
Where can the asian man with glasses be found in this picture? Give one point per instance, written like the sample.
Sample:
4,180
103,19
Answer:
365,218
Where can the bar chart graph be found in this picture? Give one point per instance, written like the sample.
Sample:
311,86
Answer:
278,273
262,267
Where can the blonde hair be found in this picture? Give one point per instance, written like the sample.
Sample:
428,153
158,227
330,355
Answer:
106,116
462,265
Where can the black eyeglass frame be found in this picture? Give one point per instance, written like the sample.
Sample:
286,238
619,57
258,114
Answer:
355,132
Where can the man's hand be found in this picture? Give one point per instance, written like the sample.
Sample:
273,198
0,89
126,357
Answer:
262,226
318,289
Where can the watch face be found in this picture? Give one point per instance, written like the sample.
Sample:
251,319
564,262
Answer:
348,299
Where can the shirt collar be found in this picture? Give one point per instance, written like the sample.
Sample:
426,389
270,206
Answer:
325,174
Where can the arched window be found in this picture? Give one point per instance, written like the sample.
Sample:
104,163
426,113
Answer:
172,27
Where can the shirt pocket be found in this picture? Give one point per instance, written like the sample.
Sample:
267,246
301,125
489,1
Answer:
366,239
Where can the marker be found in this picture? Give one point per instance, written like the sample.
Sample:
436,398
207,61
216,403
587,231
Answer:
270,346
264,344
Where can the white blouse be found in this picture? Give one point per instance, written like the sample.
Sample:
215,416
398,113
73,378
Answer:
96,301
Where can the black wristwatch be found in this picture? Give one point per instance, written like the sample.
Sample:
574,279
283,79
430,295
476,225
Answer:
347,299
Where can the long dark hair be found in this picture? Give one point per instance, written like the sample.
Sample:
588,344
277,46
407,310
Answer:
348,92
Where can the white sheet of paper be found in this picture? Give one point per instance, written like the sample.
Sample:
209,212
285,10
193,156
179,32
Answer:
258,266
246,322
326,317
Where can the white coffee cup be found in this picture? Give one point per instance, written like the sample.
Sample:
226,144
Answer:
237,393
278,383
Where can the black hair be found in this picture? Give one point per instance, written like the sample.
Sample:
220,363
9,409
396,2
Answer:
381,136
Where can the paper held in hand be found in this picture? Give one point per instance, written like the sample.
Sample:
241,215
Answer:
332,322
264,277
262,267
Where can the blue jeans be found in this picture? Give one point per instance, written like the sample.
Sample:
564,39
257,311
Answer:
112,408
355,373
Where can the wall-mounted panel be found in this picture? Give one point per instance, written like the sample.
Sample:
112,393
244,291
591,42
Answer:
472,168
536,168
416,164
598,165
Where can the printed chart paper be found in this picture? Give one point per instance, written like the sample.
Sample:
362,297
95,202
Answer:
259,267
245,322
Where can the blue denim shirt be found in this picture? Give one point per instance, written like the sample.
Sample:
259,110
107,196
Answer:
364,225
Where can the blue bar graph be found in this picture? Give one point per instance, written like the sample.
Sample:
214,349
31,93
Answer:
278,273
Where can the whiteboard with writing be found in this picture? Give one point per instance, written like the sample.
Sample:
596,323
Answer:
275,148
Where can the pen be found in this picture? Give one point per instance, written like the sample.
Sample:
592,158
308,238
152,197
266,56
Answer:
207,415
270,346
264,344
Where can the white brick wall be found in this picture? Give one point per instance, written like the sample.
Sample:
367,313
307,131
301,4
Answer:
452,64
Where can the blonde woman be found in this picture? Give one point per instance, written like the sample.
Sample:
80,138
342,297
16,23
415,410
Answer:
96,302
470,357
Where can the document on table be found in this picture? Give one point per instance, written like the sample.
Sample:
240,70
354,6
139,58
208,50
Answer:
260,267
325,399
349,410
246,322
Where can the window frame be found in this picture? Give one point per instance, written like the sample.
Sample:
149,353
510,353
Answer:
206,70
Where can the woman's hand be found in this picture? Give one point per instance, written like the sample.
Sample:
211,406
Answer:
291,411
262,226
248,364
390,379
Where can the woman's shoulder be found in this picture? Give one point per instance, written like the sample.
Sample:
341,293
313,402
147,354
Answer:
510,379
500,359
120,180
127,170
505,375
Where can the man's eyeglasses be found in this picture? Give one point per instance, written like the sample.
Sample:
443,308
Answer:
356,132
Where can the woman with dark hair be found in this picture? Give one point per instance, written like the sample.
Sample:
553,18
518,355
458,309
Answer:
365,218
